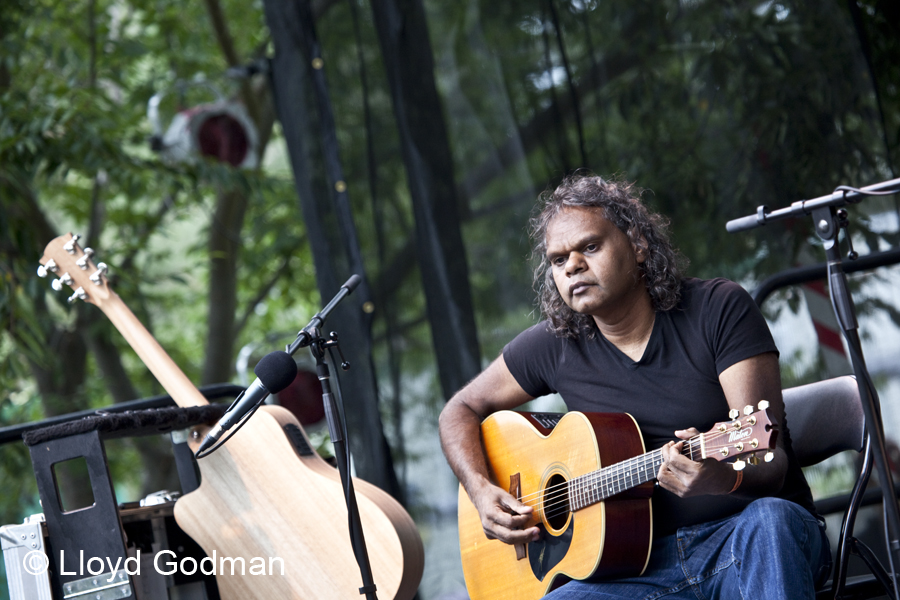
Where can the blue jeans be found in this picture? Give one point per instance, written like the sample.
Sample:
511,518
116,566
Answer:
773,549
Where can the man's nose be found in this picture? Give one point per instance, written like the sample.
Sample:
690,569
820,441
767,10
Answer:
575,264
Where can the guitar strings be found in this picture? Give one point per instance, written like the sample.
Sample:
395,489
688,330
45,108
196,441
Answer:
612,468
612,473
559,499
688,449
562,501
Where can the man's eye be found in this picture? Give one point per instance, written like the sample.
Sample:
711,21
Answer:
559,261
590,248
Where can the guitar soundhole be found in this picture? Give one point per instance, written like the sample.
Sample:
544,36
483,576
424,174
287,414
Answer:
556,502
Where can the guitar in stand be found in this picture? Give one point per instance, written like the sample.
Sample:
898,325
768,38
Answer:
266,499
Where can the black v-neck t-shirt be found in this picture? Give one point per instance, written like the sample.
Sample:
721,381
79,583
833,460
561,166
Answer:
675,384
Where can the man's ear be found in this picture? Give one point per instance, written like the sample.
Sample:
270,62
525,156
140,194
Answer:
640,251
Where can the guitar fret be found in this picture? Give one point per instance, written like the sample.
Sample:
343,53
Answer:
599,485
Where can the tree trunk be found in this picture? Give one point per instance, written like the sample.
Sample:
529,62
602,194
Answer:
228,221
406,48
224,251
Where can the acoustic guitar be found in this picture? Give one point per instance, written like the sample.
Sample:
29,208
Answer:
261,495
590,481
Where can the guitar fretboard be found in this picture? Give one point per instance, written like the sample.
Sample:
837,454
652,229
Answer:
599,485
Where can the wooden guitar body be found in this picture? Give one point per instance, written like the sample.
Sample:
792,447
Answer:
263,495
608,538
588,480
266,499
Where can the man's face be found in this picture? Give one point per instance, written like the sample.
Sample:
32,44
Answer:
594,264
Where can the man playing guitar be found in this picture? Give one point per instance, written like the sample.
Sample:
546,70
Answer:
624,331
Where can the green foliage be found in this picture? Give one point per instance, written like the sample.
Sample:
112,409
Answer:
715,107
74,87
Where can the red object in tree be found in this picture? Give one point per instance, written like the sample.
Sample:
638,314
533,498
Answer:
224,137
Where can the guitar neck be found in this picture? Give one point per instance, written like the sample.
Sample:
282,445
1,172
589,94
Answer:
599,485
64,257
173,380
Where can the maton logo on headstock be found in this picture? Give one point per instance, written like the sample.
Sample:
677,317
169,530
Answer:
740,434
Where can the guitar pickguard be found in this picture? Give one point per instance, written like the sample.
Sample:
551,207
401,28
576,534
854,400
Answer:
547,552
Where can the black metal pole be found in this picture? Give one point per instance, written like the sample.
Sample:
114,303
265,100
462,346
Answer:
827,224
336,429
827,228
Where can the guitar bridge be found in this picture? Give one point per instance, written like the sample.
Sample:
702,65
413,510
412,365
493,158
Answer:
515,488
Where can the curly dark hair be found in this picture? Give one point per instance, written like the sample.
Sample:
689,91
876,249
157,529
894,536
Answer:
621,204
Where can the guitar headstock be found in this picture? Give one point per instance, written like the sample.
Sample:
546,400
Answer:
74,267
752,433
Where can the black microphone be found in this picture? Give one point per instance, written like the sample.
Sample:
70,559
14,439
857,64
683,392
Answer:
274,372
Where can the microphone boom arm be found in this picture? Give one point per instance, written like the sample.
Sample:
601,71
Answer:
306,335
841,196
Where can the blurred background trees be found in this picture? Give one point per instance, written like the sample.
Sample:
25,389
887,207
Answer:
713,107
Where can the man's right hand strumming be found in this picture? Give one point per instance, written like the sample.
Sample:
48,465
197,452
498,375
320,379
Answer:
503,517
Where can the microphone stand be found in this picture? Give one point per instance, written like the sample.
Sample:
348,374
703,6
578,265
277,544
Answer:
828,222
317,347
310,336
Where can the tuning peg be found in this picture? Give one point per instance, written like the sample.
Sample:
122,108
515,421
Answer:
83,261
79,294
59,284
50,267
753,460
70,245
738,465
734,414
769,456
763,405
748,410
97,276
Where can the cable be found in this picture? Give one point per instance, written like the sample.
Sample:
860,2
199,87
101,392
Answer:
229,435
848,188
